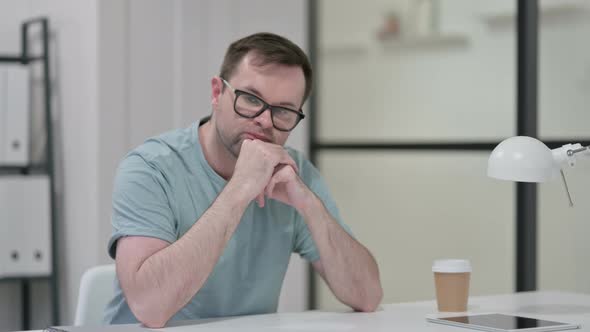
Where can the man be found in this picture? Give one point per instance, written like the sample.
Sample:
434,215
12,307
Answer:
206,218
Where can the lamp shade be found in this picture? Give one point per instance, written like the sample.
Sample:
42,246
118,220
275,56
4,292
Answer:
522,159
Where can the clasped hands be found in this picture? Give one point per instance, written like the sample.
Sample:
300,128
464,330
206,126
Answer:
266,169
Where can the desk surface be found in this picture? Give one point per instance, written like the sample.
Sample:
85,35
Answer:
407,317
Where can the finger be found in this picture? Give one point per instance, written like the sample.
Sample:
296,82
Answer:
245,142
278,168
280,176
281,155
270,187
287,173
286,159
273,179
244,145
260,200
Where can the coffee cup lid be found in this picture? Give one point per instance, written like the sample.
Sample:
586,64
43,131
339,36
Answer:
451,266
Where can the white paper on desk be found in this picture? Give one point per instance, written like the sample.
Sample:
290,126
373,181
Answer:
316,327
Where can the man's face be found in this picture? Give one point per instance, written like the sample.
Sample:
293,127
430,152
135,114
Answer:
278,85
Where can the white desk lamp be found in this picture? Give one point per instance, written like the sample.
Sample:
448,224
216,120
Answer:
526,159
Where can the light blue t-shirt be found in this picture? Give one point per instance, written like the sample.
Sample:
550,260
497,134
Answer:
164,186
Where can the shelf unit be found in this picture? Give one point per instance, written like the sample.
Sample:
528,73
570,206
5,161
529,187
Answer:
403,43
424,42
349,48
561,9
45,168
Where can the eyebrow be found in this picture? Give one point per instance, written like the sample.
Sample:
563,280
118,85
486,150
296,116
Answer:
256,92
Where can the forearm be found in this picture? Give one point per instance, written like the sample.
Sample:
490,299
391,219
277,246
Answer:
168,279
350,270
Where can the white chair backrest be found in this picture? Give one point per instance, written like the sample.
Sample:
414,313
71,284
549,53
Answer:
96,290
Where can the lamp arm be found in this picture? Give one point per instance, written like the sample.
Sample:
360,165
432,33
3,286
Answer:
567,189
584,149
566,155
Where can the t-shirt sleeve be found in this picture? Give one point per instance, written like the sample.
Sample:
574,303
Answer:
304,244
141,204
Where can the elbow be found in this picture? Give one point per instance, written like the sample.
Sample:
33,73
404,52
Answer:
371,301
152,322
369,306
148,314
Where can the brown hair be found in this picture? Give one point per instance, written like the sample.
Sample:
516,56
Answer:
269,48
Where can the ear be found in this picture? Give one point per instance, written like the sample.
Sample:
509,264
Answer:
216,87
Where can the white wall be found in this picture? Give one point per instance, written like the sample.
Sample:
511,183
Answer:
123,71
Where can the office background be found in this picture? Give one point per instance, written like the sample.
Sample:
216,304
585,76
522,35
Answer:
455,84
124,70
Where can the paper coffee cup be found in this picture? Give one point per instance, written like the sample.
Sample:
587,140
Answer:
451,280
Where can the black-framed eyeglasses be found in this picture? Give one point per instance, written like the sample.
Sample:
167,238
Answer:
250,106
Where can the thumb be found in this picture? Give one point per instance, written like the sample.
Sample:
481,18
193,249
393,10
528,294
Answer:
260,199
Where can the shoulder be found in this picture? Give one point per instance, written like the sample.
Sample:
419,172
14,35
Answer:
163,151
165,145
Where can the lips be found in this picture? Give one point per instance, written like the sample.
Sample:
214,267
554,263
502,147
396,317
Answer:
257,136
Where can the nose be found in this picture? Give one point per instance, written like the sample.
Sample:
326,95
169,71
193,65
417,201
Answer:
264,119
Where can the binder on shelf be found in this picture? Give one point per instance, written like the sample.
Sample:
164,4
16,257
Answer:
14,115
25,249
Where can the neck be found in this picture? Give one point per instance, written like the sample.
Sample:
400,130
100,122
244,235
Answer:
221,160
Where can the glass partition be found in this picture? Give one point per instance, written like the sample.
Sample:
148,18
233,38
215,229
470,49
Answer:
409,208
564,116
433,83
